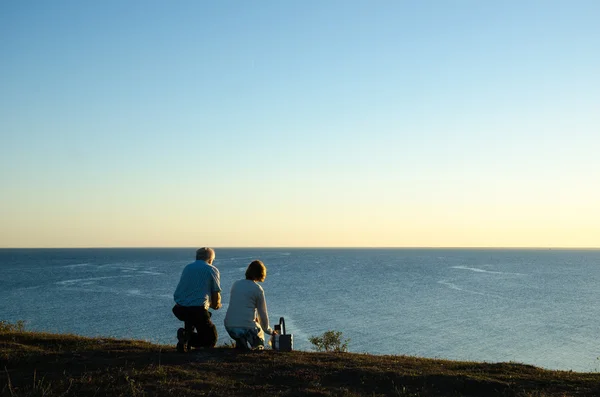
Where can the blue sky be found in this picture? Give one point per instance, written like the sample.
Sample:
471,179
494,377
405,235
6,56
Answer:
315,123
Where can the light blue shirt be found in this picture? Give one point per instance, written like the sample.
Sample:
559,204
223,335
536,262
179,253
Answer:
198,281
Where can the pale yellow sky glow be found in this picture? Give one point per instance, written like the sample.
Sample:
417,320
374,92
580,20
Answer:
300,219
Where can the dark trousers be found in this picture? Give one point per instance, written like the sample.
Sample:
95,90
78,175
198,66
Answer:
199,318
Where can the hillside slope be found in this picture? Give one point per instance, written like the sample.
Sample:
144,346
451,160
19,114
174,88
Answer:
40,364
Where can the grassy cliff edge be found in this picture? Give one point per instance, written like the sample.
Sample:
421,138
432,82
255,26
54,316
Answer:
42,364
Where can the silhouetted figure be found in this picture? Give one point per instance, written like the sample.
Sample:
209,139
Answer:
247,316
199,288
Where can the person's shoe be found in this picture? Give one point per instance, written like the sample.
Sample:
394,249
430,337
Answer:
181,340
181,335
241,344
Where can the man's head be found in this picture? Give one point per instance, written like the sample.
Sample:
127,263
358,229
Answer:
205,254
256,271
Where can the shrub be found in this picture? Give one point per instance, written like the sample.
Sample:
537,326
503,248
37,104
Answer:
5,326
330,341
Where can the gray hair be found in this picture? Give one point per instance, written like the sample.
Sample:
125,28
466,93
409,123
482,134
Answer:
205,254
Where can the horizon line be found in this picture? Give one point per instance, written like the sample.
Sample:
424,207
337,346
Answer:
315,247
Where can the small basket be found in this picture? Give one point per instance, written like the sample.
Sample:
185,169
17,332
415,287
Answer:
283,342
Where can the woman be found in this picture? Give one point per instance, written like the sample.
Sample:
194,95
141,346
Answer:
247,316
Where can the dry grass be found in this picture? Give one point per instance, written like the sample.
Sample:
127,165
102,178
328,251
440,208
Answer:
40,364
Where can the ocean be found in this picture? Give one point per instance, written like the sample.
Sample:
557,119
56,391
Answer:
532,306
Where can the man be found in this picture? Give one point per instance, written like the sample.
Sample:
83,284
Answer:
199,289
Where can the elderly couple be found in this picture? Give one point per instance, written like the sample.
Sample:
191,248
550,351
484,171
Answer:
199,289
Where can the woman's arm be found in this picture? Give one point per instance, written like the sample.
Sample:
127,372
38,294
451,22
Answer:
263,315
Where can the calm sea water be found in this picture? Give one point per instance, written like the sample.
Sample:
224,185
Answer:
538,307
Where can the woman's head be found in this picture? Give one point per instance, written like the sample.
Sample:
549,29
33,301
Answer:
256,271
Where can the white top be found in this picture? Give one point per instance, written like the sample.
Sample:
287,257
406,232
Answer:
247,306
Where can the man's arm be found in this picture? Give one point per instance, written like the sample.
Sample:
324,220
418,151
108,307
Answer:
215,300
215,296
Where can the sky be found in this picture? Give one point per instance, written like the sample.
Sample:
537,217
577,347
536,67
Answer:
300,123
